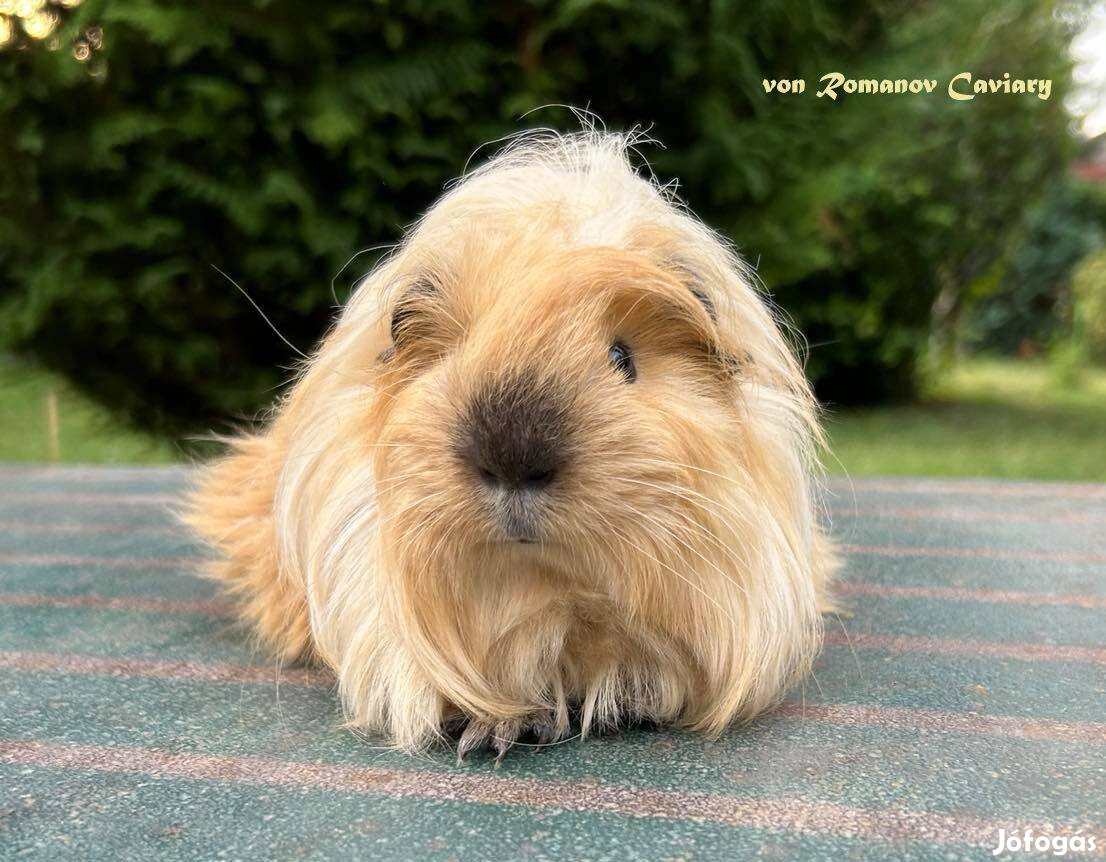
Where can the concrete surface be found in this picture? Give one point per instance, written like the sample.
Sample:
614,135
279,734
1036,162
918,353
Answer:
965,693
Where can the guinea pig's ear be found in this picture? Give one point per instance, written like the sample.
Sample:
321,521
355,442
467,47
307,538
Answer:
695,283
708,304
730,362
410,311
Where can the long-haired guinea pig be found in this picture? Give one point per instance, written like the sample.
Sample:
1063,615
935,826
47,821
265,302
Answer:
554,465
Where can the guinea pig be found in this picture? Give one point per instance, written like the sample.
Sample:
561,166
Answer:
555,465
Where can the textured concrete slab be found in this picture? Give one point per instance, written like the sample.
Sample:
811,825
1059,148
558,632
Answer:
963,692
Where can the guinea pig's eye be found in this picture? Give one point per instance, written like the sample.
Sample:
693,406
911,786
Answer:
620,357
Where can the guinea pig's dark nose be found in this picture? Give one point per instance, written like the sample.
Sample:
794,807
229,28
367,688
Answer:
525,474
513,435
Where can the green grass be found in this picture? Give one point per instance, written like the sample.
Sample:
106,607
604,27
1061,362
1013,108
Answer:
986,418
87,434
1009,419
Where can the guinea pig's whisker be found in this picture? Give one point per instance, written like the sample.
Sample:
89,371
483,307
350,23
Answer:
732,512
681,576
740,485
849,641
540,745
693,497
600,518
410,506
625,539
705,531
711,506
257,308
702,531
817,685
693,550
445,536
407,505
681,466
697,528
352,258
410,542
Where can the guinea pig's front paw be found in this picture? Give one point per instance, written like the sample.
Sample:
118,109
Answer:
501,734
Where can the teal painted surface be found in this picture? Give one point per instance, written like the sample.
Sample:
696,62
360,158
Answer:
87,536
157,819
857,766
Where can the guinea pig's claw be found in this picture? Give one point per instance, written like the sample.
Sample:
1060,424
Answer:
506,732
543,729
501,736
475,735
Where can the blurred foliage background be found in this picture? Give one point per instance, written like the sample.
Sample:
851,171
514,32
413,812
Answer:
143,142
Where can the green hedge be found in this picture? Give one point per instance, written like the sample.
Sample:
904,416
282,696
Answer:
274,139
1030,309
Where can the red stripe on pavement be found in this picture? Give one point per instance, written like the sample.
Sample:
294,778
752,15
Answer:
467,786
963,594
988,649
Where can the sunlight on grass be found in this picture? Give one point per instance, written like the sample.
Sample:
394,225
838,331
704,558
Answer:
86,432
1010,419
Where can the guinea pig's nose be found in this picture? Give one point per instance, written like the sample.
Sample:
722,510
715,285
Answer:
532,475
513,436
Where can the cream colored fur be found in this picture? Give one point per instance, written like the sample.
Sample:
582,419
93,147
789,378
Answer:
681,567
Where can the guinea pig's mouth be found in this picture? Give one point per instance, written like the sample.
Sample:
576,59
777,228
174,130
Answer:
525,544
518,516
